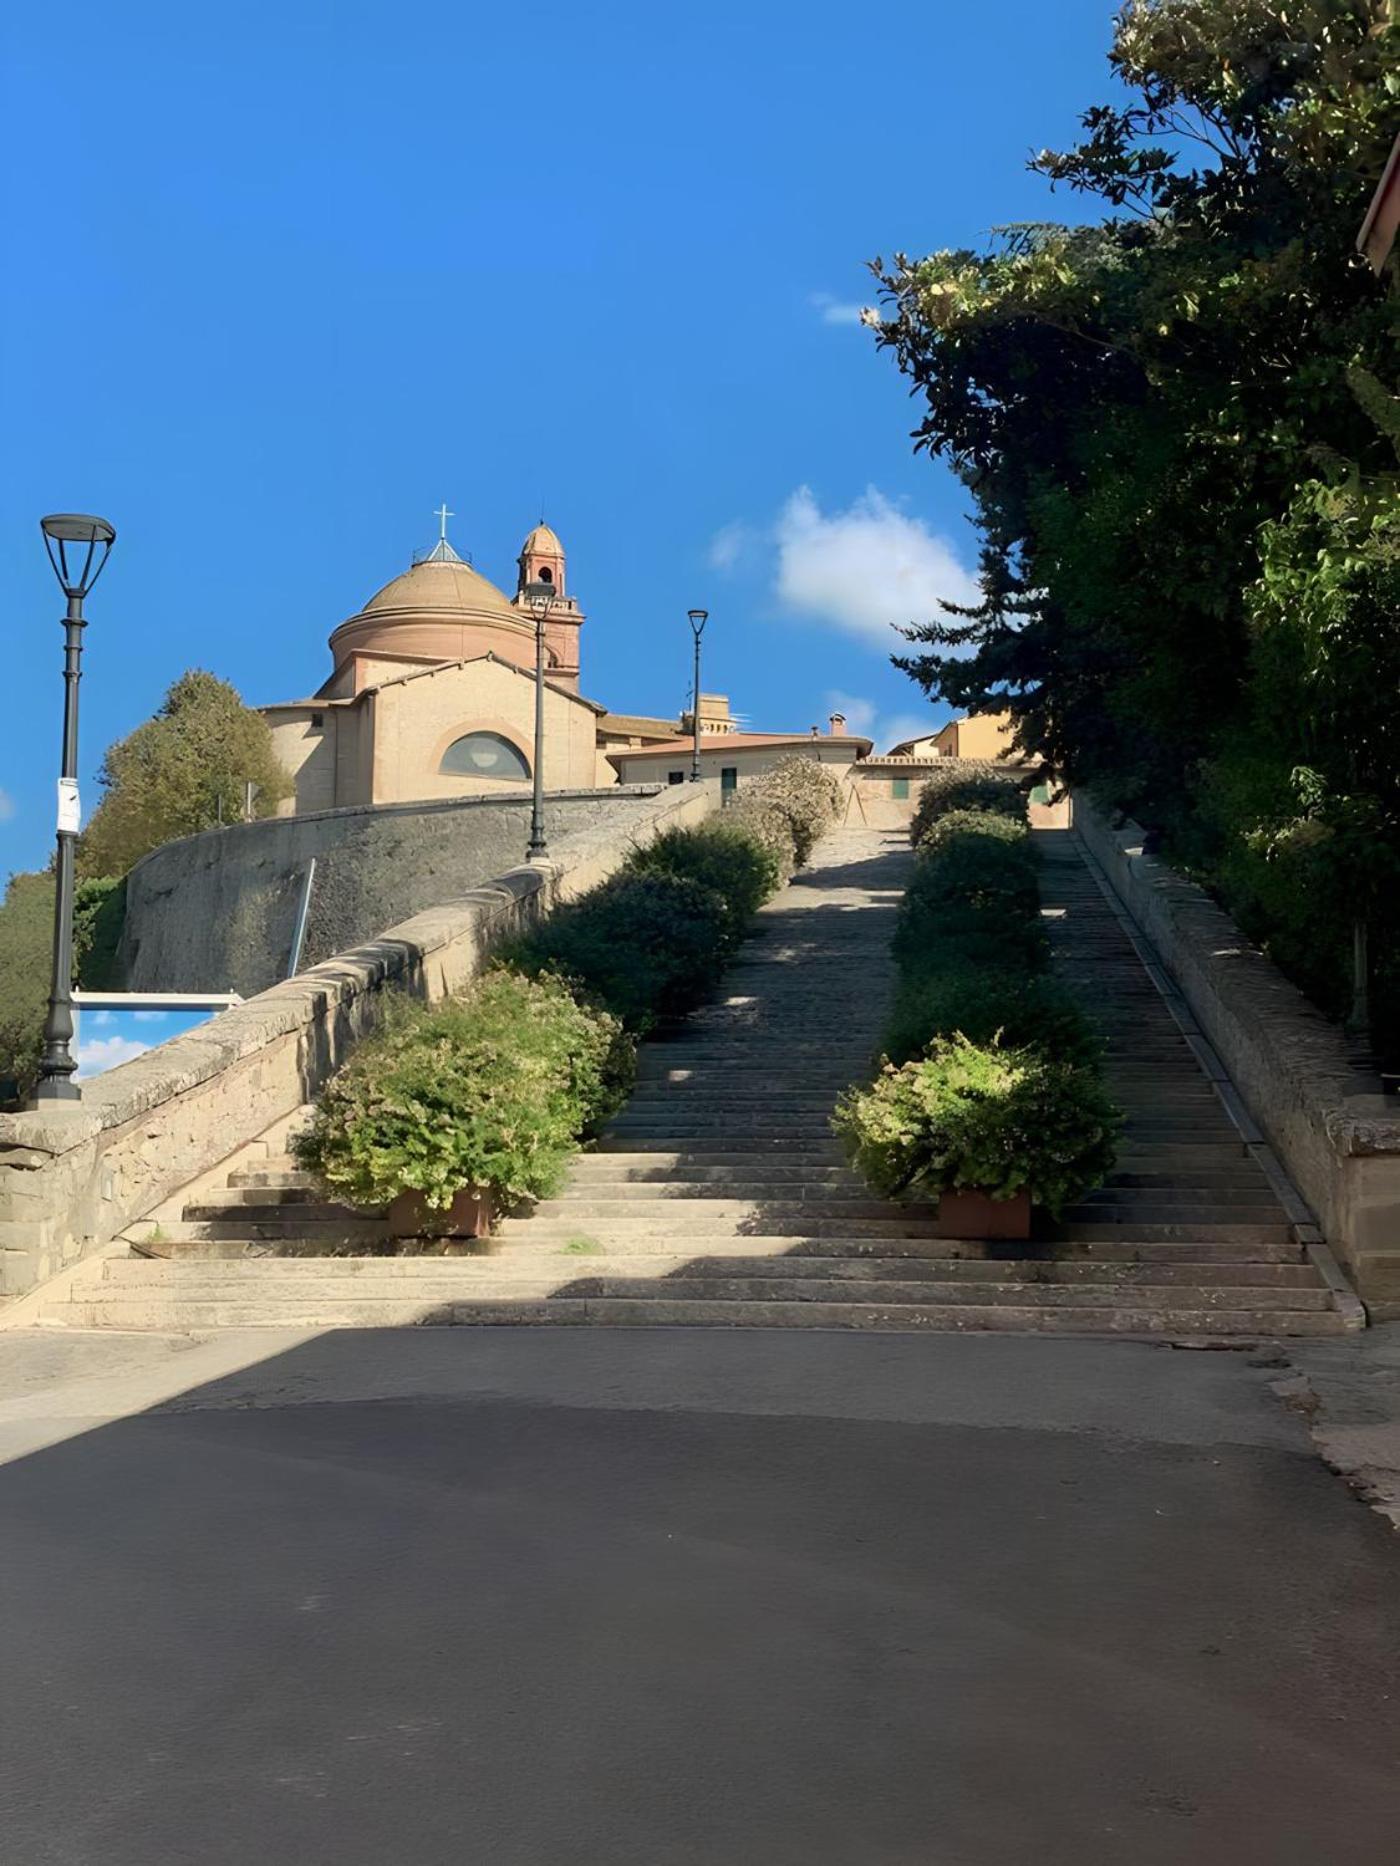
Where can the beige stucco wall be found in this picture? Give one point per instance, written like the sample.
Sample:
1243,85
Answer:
310,754
983,735
749,761
74,1177
416,720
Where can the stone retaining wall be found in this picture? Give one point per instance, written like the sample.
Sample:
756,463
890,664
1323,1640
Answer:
1335,1132
74,1177
217,911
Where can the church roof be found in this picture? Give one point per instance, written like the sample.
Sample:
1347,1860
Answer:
471,660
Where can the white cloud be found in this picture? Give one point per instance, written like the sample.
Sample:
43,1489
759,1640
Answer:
836,310
866,570
7,806
865,719
729,544
96,1054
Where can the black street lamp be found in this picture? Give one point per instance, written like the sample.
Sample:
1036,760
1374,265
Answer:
91,541
540,596
697,619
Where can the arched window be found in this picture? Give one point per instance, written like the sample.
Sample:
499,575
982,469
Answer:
546,574
484,754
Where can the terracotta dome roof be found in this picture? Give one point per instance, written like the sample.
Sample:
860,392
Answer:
544,540
440,610
439,587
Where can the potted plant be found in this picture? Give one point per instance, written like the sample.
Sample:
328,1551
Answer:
450,1114
988,1131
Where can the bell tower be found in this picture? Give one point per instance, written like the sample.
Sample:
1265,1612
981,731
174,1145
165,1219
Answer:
542,560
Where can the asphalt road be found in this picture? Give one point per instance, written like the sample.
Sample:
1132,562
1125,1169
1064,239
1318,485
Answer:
538,1598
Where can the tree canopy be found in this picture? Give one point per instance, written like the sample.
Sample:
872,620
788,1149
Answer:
1178,427
184,770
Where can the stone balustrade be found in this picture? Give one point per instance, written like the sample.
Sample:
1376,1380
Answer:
1334,1130
73,1177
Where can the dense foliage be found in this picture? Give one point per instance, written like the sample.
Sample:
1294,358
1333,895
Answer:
645,946
26,960
1178,425
807,794
990,1078
489,1091
955,787
185,770
718,855
985,1117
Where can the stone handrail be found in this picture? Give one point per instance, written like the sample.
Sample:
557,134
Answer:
1336,1133
73,1177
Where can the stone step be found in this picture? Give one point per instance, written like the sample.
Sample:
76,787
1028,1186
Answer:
709,1219
727,1149
290,1177
599,1170
1157,1209
244,1232
735,1259
1131,1231
1161,1322
304,1204
849,1196
586,1280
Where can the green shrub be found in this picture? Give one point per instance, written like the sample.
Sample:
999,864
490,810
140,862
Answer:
642,945
808,795
981,1117
490,1090
986,787
954,997
724,855
975,868
980,938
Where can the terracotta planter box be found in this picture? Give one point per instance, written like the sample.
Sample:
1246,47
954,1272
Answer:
466,1219
967,1214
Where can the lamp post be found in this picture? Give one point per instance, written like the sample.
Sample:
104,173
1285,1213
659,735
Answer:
91,541
697,619
540,596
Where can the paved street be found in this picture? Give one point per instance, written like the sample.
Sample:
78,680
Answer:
667,1596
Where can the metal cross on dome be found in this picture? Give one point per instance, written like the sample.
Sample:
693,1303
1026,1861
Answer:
442,515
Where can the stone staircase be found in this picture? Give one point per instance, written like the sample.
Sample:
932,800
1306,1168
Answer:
718,1195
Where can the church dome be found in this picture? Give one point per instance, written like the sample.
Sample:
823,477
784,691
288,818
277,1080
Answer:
439,610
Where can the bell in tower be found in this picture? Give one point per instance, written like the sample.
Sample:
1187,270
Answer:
542,561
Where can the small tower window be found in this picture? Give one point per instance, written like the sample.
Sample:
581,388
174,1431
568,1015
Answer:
546,574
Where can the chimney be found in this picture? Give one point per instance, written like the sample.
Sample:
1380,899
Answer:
837,725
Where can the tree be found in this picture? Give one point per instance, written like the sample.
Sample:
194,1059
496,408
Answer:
26,960
1176,429
185,770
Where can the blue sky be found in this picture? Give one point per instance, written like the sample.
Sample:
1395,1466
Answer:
282,278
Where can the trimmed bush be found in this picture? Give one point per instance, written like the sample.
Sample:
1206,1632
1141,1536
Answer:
770,827
984,787
723,855
642,946
808,795
976,859
1017,1009
981,1117
489,1091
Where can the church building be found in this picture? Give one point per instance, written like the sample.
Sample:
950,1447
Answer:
432,694
432,690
